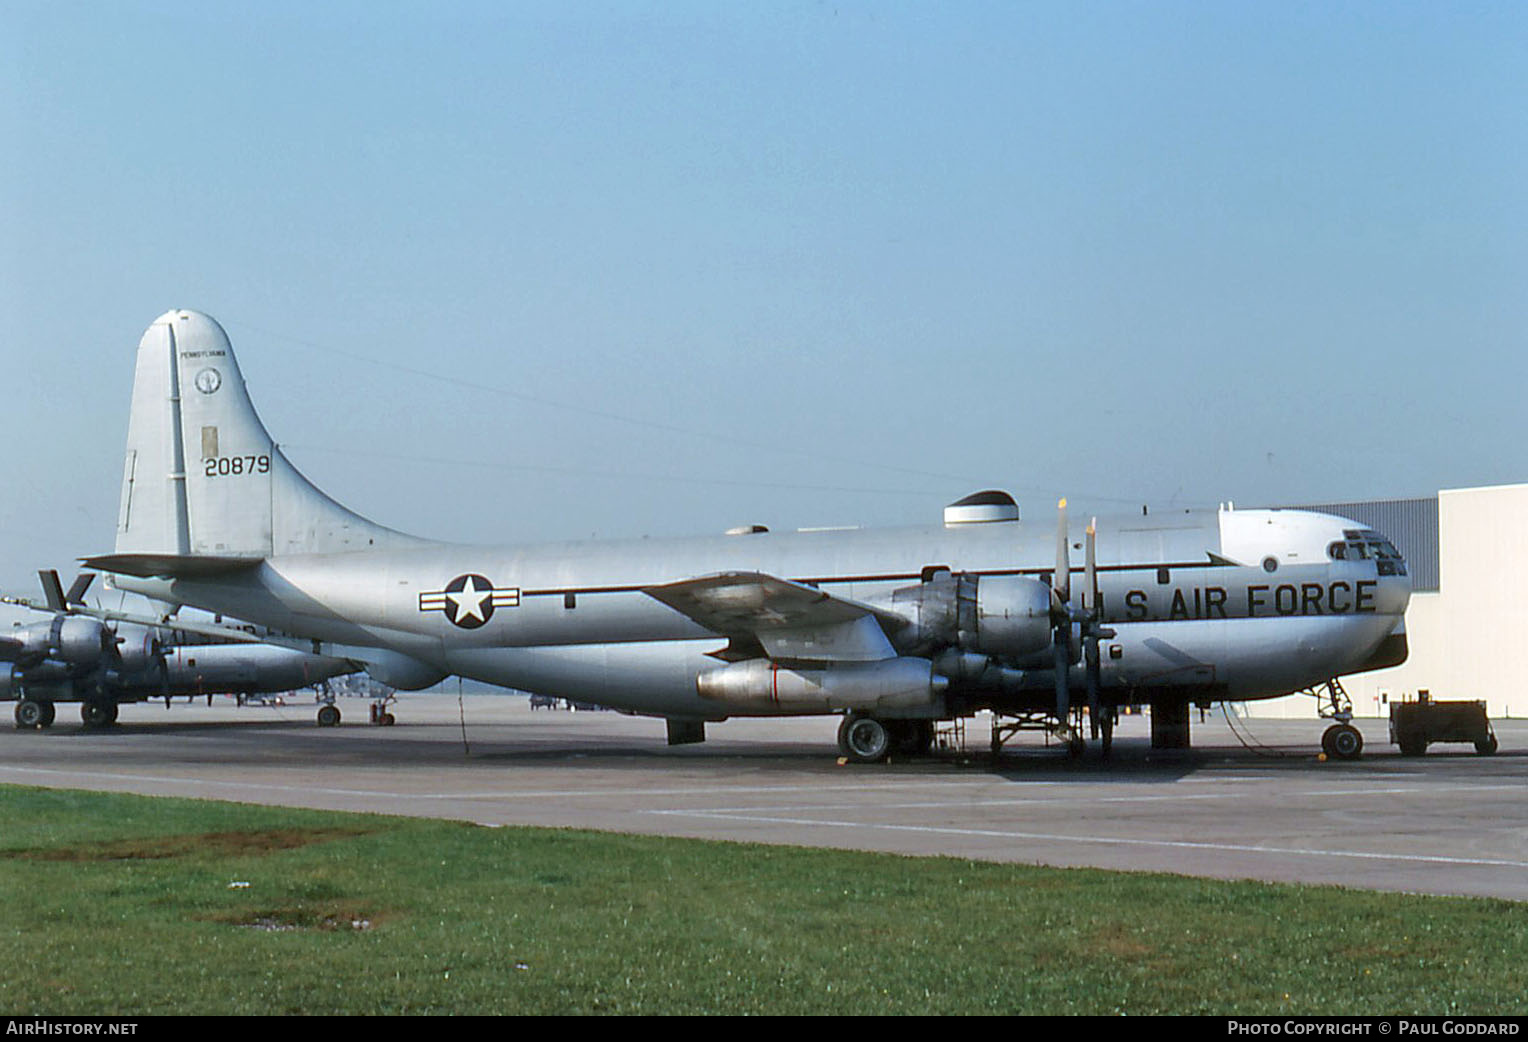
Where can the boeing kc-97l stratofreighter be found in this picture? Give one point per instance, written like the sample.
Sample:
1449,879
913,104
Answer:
894,629
66,651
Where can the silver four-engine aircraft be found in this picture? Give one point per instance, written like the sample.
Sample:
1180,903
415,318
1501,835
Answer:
894,629
66,651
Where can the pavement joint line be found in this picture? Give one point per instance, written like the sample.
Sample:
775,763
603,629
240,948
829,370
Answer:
1085,799
1104,840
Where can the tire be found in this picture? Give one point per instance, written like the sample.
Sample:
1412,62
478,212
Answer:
98,714
1347,743
31,716
1486,747
328,716
864,739
1412,747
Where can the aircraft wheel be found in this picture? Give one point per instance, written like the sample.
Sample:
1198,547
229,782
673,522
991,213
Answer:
864,739
1487,747
1075,747
387,720
98,714
328,716
33,716
1343,741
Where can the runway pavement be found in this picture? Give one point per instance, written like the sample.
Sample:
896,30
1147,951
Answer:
1451,822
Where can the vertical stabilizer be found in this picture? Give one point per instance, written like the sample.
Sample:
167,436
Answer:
202,475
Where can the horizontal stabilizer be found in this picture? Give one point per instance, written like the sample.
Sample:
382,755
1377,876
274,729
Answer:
170,566
790,620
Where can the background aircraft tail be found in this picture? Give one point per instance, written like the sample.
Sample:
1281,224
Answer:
203,477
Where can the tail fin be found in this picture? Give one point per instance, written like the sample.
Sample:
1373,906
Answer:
202,476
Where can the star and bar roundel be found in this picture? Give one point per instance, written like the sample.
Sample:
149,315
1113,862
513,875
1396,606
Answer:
469,600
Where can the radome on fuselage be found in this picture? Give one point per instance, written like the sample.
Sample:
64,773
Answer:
982,611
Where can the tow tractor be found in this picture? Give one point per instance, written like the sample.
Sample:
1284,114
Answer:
1415,725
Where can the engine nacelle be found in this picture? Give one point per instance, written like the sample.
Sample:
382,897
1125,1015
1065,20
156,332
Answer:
1005,616
1013,617
68,640
81,642
762,688
138,651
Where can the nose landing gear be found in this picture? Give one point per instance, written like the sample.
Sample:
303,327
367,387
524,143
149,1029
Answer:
1341,741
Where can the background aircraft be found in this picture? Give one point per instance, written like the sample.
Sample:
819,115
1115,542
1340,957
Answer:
894,629
67,651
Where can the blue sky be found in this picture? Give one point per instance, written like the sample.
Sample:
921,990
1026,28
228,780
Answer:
505,272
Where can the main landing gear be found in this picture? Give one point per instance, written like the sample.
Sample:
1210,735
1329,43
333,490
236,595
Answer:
98,714
869,739
329,713
34,714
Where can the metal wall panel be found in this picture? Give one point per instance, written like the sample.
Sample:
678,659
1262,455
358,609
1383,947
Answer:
1411,524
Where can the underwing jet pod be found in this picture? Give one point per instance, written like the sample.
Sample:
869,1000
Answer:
66,651
894,630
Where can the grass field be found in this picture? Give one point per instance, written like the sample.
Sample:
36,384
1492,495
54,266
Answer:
128,905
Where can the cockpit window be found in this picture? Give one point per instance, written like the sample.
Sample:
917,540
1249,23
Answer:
1368,546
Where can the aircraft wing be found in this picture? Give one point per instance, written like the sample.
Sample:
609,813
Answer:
785,620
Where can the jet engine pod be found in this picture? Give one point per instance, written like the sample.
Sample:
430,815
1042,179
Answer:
767,688
1013,616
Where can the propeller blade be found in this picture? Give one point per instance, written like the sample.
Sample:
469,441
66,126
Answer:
1062,582
76,594
1063,668
52,589
1094,669
1090,600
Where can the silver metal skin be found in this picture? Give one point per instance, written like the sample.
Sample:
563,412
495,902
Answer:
930,621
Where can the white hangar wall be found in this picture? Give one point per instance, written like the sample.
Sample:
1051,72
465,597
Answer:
1467,636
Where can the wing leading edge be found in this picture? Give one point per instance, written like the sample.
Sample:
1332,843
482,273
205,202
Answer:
788,622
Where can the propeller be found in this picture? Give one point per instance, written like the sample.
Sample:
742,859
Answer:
1086,618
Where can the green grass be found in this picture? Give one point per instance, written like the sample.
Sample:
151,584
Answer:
122,905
